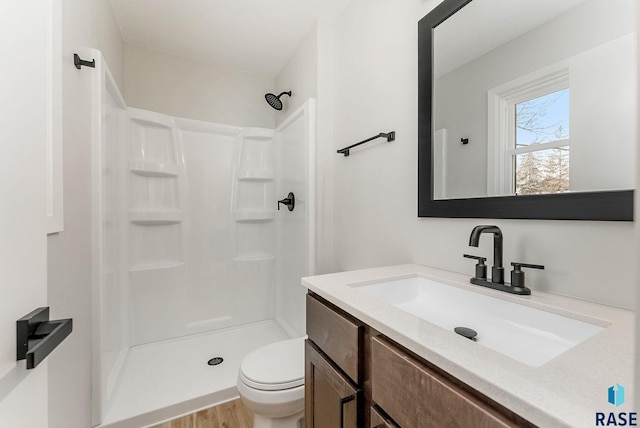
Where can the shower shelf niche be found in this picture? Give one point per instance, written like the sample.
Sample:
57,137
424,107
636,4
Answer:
153,168
155,218
255,175
253,215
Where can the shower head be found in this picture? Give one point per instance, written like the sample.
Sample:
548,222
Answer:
275,101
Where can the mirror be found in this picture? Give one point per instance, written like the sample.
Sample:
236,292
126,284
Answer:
528,109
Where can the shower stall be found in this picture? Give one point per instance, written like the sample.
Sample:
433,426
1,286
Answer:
194,265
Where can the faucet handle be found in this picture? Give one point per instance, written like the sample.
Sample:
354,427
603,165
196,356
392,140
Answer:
517,276
480,259
481,268
518,265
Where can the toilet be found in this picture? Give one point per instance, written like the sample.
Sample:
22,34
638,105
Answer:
271,384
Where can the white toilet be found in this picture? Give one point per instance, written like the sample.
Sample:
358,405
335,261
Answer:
271,384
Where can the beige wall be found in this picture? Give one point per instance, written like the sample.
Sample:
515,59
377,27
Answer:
84,24
185,88
375,203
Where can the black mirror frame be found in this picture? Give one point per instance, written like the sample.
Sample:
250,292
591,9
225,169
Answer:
611,206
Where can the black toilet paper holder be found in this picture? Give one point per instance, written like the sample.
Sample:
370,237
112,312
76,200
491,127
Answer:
37,336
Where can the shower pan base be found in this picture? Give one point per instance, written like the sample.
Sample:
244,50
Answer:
164,380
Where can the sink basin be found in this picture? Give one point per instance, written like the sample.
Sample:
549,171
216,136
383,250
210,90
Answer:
529,335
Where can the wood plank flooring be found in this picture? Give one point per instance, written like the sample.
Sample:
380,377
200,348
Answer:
233,414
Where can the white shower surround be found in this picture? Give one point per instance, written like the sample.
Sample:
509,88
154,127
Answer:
187,239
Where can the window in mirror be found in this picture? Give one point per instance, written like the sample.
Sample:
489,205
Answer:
542,172
540,148
530,139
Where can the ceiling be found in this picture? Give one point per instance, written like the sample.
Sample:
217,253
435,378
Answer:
258,36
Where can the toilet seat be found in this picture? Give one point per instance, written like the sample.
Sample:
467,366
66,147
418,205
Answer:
275,367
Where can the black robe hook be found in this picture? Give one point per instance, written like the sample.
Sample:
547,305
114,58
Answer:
80,62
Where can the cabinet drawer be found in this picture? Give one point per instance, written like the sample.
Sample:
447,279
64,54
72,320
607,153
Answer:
415,395
336,335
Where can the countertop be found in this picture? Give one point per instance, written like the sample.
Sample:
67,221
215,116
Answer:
566,391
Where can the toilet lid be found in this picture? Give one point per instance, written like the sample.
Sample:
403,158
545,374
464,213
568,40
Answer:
276,366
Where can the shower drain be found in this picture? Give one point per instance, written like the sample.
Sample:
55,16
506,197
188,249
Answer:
215,361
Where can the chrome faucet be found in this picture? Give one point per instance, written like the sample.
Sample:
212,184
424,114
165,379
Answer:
497,270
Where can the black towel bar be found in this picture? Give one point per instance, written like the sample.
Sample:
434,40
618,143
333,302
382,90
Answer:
390,136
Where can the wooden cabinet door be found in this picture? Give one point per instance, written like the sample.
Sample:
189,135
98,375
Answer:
330,398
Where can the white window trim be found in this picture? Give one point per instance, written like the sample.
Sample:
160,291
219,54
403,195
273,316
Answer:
500,114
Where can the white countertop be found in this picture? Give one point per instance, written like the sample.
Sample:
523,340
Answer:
566,391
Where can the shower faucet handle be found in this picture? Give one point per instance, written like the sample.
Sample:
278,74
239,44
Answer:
289,201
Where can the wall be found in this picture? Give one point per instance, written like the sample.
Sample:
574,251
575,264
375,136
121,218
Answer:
109,40
84,24
24,109
602,68
181,87
374,71
637,270
299,75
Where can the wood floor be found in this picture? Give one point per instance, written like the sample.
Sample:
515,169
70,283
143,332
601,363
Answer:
233,414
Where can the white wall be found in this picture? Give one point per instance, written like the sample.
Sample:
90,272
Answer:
23,107
637,270
84,24
602,81
109,40
181,87
299,75
375,205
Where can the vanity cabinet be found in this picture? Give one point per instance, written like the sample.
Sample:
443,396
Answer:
331,399
357,377
333,367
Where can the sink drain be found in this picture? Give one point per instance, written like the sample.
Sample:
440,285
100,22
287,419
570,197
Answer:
215,361
467,332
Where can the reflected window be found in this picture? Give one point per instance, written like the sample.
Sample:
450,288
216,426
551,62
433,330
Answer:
540,149
530,137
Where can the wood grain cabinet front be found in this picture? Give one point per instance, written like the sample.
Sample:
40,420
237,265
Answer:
416,395
331,400
338,335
